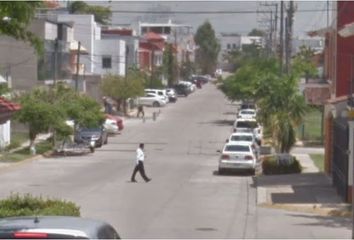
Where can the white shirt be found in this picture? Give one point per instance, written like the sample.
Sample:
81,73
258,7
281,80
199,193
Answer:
139,155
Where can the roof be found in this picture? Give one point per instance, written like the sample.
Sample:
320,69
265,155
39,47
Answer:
347,30
153,36
319,32
7,106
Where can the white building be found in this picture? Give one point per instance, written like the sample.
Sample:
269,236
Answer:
315,43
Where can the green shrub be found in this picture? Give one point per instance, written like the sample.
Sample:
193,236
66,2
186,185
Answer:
28,205
14,144
270,166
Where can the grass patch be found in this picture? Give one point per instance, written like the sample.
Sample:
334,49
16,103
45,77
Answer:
311,129
24,153
318,160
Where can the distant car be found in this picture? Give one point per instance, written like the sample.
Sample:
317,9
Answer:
191,86
239,156
172,95
248,105
118,120
182,89
247,113
110,126
151,99
98,134
55,227
218,72
159,92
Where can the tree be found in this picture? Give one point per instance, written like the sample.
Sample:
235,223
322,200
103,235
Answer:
169,64
187,69
120,88
282,107
256,33
209,47
46,110
102,14
303,64
15,18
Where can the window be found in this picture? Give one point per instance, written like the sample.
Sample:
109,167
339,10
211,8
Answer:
107,62
234,46
228,46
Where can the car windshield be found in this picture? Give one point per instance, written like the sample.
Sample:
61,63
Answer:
247,112
246,124
90,130
237,148
241,138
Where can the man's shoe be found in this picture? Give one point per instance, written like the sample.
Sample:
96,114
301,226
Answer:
133,181
148,180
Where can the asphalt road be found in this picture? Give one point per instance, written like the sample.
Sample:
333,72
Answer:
185,199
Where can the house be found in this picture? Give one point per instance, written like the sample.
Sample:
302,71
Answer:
7,109
339,73
25,68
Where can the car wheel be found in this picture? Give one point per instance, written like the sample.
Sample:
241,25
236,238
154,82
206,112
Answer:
156,104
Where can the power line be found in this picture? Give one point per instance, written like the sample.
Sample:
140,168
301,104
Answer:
212,12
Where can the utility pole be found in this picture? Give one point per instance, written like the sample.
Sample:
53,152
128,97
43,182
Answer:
152,66
270,50
77,67
55,72
289,33
281,34
126,61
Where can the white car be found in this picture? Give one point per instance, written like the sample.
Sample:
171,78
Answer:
239,155
242,123
160,92
245,137
247,113
111,126
151,99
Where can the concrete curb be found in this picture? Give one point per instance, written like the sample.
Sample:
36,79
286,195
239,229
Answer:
19,163
320,209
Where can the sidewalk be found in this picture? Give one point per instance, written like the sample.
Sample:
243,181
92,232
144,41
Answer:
310,191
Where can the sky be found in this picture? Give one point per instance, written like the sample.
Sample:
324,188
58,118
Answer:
226,23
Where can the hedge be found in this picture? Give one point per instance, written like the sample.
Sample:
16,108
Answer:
28,205
271,165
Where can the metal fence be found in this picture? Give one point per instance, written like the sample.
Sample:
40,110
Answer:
340,157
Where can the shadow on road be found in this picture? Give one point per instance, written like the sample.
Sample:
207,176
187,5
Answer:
221,123
235,173
332,222
230,113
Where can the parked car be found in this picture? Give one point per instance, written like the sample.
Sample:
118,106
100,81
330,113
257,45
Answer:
110,126
242,123
248,105
98,134
218,72
246,137
55,227
191,86
172,95
247,113
159,92
239,156
118,120
182,89
151,99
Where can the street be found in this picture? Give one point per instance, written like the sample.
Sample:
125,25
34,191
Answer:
186,197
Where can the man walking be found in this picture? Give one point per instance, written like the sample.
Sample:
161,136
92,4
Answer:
140,156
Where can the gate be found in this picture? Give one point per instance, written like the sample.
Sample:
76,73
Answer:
340,157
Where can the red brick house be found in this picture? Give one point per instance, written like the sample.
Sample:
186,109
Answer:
339,72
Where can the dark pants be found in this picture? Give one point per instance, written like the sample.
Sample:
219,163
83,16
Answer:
139,167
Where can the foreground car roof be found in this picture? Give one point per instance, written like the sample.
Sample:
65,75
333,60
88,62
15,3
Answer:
76,226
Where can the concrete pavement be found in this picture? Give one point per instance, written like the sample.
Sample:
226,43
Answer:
310,191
